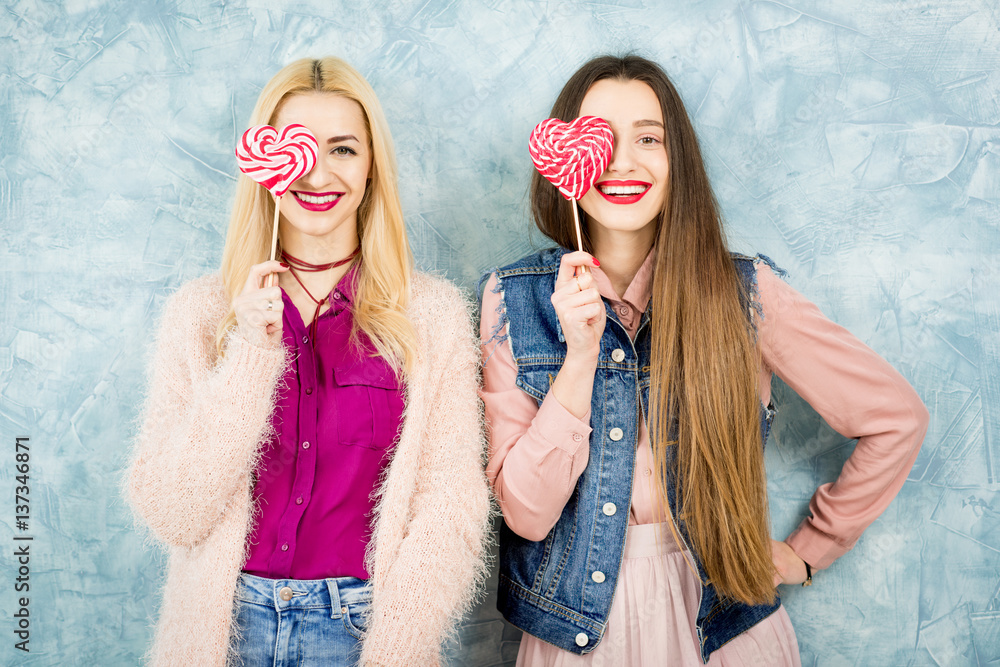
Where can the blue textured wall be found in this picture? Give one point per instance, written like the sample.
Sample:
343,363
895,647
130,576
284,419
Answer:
857,143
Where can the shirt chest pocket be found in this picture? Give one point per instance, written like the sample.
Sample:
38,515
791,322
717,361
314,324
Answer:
369,404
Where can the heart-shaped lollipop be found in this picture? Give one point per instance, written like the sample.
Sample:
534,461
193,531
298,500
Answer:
571,156
277,160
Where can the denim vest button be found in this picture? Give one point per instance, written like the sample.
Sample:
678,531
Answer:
536,341
616,434
285,594
598,577
618,355
609,509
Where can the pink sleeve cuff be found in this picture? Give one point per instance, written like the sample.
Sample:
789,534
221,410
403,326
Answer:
814,546
558,427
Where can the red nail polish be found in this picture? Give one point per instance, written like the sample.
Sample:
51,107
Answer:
596,263
283,265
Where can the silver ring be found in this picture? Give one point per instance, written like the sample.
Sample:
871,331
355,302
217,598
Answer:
270,305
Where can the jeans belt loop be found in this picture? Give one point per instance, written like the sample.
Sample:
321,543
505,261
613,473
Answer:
331,584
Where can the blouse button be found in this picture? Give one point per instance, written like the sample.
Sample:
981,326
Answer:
623,310
284,547
577,437
298,501
618,355
309,391
598,577
609,509
285,593
616,434
305,339
647,472
582,639
305,445
336,295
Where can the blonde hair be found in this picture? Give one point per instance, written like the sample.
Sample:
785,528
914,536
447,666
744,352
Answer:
383,284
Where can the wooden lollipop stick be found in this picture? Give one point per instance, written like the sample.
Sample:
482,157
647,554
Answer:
274,231
274,239
579,234
576,220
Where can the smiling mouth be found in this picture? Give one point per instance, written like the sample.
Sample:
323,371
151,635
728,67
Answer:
319,198
622,190
317,201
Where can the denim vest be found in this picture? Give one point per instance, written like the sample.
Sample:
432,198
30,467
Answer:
560,589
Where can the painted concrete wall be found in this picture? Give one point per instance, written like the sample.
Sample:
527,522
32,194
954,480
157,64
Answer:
857,143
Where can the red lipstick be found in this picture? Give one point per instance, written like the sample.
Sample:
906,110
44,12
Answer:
317,206
623,199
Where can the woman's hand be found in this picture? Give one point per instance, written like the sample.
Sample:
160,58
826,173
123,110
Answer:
581,314
258,308
789,568
579,307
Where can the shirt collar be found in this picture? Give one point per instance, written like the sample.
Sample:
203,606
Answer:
639,290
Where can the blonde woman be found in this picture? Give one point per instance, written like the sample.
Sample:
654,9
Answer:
310,454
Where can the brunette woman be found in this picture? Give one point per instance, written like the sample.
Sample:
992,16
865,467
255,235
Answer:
310,454
627,391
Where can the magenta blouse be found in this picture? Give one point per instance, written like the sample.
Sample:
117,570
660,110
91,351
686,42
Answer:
336,422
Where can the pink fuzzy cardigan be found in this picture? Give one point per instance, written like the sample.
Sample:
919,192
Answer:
204,422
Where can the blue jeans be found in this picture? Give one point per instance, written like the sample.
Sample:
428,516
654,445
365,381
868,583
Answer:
283,622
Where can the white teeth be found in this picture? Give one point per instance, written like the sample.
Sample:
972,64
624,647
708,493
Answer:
311,199
623,189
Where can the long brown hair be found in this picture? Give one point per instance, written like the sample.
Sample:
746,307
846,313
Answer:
704,359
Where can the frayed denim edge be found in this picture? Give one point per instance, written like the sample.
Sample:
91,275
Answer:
754,292
497,333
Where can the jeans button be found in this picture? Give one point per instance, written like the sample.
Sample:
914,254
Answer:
285,593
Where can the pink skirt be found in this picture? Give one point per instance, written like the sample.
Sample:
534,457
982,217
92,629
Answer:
651,623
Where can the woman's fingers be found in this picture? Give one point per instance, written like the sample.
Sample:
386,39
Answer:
259,306
258,272
569,301
789,568
573,265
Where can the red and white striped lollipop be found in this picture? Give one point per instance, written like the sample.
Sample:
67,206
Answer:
571,156
277,160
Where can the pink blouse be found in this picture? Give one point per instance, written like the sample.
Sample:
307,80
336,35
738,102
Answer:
537,453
